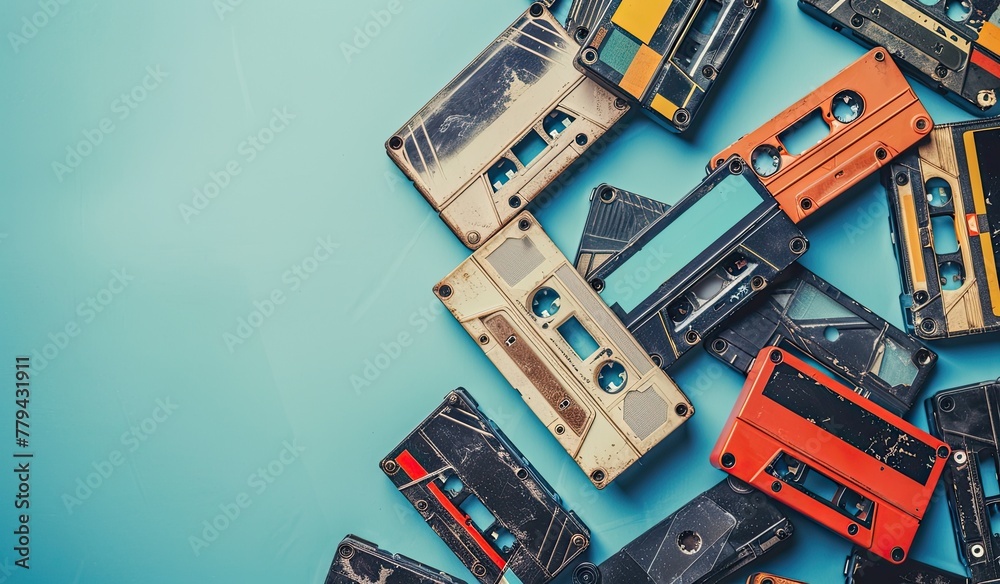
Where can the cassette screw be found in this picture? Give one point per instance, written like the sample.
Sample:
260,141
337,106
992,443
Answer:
757,282
597,284
524,224
682,117
345,551
597,476
776,486
453,399
960,457
921,124
728,460
806,204
748,3
856,22
578,540
923,357
483,339
880,56
514,202
781,533
719,346
536,11
947,404
395,143
977,550
797,245
657,360
478,569
942,452
775,356
927,325
581,139
582,33
590,56
897,554
560,429
444,291
473,237
521,474
621,103
681,410
902,179
920,296
607,194
852,529
767,581
421,505
881,154
941,71
691,337
390,466
736,167
708,71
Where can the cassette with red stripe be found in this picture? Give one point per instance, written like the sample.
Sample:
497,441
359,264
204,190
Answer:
473,487
842,460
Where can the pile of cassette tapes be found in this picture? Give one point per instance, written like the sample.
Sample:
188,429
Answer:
819,426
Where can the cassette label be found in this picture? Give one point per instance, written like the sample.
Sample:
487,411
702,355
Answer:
872,115
865,568
703,542
679,275
662,54
457,463
947,229
362,562
805,313
818,447
967,418
477,154
951,48
561,347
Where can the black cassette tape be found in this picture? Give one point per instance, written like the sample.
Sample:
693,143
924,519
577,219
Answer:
480,495
952,46
665,54
946,225
882,362
695,264
967,419
866,568
706,540
362,562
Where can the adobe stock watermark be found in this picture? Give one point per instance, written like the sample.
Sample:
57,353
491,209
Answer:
866,216
122,106
131,440
247,150
87,311
293,278
33,24
364,34
224,8
232,509
6,570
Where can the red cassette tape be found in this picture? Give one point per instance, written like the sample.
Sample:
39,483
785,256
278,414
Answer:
827,452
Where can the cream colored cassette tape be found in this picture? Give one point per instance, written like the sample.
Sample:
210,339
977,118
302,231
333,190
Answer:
571,359
491,141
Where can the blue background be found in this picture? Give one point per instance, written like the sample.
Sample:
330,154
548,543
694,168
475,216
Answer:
235,405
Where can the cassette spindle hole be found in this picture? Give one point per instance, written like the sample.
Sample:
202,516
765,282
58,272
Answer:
611,377
728,460
444,291
689,542
345,551
765,160
847,106
720,346
546,302
958,10
952,273
395,143
536,9
938,191
607,194
767,581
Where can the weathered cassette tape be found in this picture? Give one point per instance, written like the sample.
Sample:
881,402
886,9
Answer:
967,419
871,115
362,562
561,347
703,542
500,132
825,451
584,16
865,568
674,279
806,313
765,578
946,224
950,45
665,54
481,496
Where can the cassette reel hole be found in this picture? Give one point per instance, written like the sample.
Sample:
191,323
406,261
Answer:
766,160
612,377
556,123
831,333
545,303
952,275
945,236
847,106
500,173
453,485
958,10
938,192
805,133
689,542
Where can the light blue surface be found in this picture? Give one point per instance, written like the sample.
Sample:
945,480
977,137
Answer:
288,322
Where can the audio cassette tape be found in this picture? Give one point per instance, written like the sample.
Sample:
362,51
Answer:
950,45
844,461
561,347
500,132
946,224
480,495
806,313
703,542
865,568
674,278
765,578
362,562
967,419
872,115
665,55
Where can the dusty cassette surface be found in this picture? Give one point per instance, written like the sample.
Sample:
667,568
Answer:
865,568
703,542
561,347
967,419
362,562
949,45
805,312
480,495
501,131
946,225
764,578
825,451
675,278
665,54
583,17
871,114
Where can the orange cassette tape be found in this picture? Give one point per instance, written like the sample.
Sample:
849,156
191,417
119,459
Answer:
827,452
871,114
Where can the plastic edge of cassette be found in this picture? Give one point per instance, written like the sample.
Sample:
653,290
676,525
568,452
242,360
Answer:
353,547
